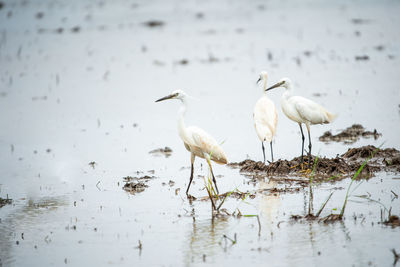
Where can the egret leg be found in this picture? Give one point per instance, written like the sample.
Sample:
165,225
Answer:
302,144
263,149
212,174
272,154
309,144
191,173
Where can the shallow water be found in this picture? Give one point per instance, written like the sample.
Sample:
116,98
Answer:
71,98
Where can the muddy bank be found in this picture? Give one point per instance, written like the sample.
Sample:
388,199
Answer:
334,169
135,185
350,134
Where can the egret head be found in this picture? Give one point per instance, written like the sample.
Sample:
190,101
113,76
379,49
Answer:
177,94
285,82
263,76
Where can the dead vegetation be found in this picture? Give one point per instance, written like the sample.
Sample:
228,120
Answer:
393,221
5,201
327,169
350,134
166,152
135,185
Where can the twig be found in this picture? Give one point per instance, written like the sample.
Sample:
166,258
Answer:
97,185
230,239
323,205
396,257
227,195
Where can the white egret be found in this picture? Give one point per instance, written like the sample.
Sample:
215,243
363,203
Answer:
198,142
302,110
265,116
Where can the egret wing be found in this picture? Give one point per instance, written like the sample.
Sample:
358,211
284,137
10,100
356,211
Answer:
265,119
311,111
204,143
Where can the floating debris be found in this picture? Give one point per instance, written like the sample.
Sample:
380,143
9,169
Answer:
360,21
393,221
92,164
154,23
76,29
363,57
5,201
39,15
134,188
183,62
135,185
166,151
145,178
350,134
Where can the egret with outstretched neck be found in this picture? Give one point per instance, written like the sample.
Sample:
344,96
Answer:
265,116
302,110
198,142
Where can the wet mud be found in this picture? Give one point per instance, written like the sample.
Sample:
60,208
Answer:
350,134
326,169
166,152
393,221
5,201
135,185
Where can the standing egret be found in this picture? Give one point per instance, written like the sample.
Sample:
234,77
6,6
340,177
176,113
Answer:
302,110
265,116
198,142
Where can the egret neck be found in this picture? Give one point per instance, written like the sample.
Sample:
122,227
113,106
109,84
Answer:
265,87
288,91
181,122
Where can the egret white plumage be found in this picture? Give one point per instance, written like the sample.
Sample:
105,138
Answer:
198,142
265,116
302,110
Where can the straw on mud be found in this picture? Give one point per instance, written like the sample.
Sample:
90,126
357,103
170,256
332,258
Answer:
245,196
354,177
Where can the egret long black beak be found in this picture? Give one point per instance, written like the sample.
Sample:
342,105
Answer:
259,79
275,85
167,97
